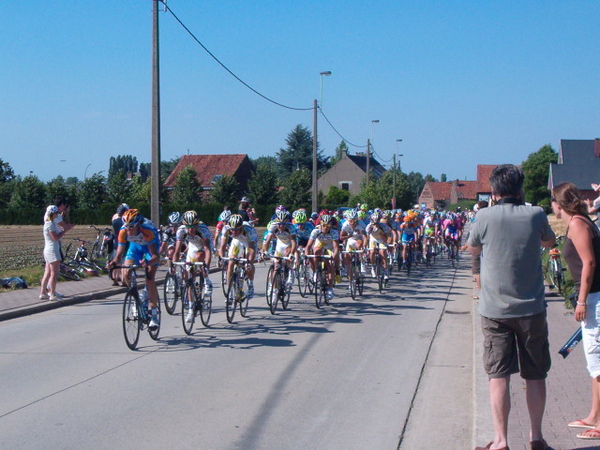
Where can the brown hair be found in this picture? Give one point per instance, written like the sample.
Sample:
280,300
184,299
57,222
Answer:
569,199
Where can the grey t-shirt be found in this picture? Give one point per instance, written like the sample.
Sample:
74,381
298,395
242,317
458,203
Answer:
512,282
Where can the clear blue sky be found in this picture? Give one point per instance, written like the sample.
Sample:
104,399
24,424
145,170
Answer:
461,83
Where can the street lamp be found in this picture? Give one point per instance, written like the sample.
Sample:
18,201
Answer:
394,195
369,151
85,171
327,73
315,189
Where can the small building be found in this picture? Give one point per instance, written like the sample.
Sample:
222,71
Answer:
210,168
440,194
348,173
578,163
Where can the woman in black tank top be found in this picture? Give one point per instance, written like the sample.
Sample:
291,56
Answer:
582,254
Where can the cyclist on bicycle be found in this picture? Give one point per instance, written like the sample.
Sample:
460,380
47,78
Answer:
285,234
353,235
409,234
430,230
144,242
223,219
303,230
378,234
196,235
243,240
452,232
168,238
324,240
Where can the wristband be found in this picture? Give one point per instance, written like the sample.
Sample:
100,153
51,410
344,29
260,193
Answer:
581,304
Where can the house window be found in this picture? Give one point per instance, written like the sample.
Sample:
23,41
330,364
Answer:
345,185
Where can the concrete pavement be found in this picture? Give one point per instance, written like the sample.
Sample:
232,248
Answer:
452,374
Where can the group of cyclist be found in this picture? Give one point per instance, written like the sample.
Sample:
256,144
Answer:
288,234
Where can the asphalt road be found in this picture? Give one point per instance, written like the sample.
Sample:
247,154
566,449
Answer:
344,377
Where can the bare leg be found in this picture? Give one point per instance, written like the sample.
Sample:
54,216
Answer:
536,402
500,400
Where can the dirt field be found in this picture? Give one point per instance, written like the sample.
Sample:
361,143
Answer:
22,245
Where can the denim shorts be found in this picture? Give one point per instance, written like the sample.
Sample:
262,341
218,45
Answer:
516,345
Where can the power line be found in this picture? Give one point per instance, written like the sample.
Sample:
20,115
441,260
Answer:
226,68
337,132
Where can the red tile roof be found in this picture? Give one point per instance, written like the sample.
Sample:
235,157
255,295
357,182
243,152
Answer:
483,177
207,167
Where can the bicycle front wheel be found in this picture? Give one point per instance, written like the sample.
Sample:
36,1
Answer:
155,332
319,288
131,320
170,293
244,301
205,303
188,307
69,273
231,298
276,290
285,299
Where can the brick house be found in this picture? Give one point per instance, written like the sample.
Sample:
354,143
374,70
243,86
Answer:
440,194
210,168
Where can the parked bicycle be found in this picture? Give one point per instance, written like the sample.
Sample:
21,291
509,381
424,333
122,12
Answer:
82,259
554,269
236,293
136,312
193,299
104,243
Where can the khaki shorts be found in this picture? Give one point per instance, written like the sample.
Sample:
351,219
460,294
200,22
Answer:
516,345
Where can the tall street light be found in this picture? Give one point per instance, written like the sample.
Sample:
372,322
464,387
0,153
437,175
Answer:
394,197
85,171
369,142
315,190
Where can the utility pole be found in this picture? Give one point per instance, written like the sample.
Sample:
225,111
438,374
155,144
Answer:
155,165
394,194
315,190
368,161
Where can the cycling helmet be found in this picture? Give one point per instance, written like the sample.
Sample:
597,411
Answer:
314,215
351,214
282,216
190,218
326,219
362,215
235,221
245,200
225,215
122,208
175,218
300,217
375,217
132,217
364,207
280,208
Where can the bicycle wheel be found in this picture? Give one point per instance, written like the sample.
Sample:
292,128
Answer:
352,283
231,298
69,273
224,285
285,299
276,290
170,293
557,275
245,299
188,305
155,332
203,302
409,260
303,279
131,319
319,293
379,272
269,286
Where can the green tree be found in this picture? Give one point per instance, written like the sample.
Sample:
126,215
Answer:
166,167
263,185
187,190
378,194
120,189
6,172
339,152
267,160
29,193
299,153
125,163
92,192
296,189
336,198
58,187
443,178
416,182
536,168
226,191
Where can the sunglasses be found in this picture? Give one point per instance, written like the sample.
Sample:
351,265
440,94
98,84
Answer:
129,226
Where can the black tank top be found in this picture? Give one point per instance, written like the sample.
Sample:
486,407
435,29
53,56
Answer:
574,261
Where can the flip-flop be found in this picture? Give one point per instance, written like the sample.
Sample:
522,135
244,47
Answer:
593,433
580,424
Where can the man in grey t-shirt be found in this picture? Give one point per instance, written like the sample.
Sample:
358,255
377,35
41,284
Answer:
513,315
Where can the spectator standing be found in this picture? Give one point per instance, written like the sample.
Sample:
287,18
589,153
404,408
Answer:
52,235
243,209
119,275
513,314
582,254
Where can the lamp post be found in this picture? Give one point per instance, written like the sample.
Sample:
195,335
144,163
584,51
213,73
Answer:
315,190
369,143
394,197
85,171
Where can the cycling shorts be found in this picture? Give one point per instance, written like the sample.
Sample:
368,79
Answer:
137,253
377,243
353,244
407,238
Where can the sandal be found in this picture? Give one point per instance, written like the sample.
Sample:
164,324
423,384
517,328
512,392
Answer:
592,433
580,424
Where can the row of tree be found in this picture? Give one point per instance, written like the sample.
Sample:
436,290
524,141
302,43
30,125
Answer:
281,179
